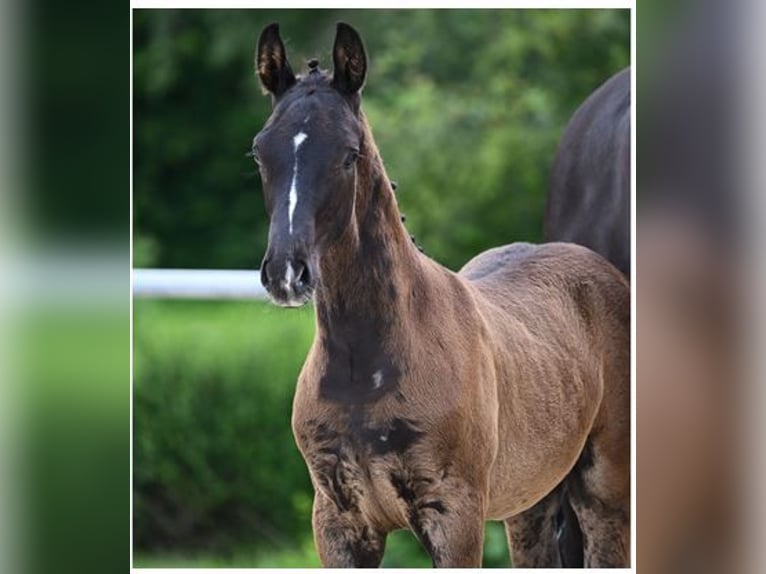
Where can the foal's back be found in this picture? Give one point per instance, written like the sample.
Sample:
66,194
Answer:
535,282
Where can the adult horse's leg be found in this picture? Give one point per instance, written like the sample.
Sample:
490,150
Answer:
599,488
532,537
344,539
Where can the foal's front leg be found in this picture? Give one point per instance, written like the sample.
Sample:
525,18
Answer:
450,526
343,538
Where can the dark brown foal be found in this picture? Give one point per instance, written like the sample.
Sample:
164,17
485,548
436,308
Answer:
432,400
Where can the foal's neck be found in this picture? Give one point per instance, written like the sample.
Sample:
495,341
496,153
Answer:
374,264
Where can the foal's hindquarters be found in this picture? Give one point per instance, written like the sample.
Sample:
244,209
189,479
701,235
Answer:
483,396
563,355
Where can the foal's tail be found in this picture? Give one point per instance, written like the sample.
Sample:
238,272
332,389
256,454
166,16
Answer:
569,535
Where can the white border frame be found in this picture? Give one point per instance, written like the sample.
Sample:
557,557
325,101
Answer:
401,4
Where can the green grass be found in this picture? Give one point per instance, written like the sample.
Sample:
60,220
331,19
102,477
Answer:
301,556
71,408
402,551
220,337
215,464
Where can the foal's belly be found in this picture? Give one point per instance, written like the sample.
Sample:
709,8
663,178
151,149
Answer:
535,454
516,489
549,390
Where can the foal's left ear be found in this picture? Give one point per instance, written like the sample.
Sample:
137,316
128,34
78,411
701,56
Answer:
349,59
271,62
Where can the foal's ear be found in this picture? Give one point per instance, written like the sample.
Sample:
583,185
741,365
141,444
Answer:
271,62
349,59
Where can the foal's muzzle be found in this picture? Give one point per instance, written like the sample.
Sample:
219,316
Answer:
290,281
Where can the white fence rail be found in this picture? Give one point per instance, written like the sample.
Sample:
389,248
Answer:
197,284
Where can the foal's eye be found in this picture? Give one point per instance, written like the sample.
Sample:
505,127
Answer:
350,160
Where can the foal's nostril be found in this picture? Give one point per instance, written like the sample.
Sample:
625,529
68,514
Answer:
303,276
265,279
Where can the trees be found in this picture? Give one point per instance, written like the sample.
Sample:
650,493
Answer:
466,106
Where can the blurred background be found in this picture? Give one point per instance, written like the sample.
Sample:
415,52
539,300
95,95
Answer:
64,254
699,287
64,295
466,107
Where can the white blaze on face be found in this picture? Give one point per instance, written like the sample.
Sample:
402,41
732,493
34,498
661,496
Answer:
377,379
299,138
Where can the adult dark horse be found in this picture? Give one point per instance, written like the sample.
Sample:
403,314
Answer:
432,400
589,192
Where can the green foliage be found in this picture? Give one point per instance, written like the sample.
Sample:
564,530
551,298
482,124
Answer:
215,463
72,410
467,108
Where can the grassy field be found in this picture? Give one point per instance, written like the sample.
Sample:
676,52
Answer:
402,551
218,480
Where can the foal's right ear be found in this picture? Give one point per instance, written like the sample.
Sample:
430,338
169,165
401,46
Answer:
349,60
271,62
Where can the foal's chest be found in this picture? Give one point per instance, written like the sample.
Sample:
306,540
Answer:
360,432
362,465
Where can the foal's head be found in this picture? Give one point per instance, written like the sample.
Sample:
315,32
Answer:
307,153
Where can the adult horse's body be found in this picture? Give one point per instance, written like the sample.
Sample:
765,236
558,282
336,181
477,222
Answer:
432,400
589,191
